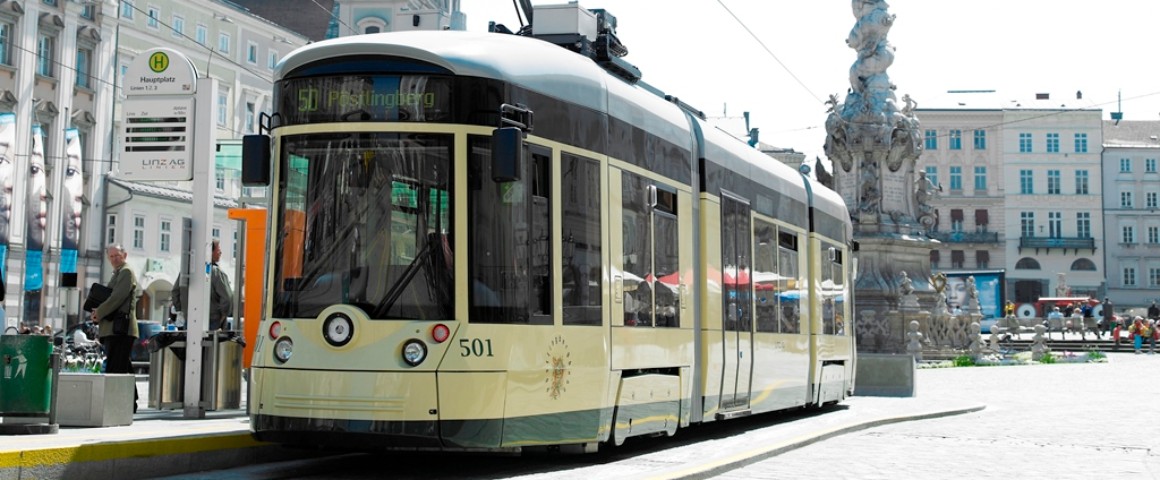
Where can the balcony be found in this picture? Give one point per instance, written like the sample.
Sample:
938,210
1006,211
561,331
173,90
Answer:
965,237
1064,243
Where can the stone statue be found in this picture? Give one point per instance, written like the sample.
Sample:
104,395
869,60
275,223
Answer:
869,200
972,295
924,192
824,177
939,282
872,140
996,333
908,110
914,341
976,346
1039,343
906,285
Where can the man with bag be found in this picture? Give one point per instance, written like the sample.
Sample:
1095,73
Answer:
117,316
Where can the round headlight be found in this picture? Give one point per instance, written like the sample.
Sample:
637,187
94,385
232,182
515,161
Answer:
283,349
338,329
414,352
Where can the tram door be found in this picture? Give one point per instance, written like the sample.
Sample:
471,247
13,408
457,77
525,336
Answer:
648,260
737,300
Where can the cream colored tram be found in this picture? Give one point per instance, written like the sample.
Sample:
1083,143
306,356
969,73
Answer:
613,268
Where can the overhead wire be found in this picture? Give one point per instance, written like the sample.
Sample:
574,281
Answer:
330,13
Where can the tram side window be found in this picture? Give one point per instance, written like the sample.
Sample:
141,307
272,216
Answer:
792,289
833,292
667,259
540,243
637,252
651,256
580,201
767,283
509,237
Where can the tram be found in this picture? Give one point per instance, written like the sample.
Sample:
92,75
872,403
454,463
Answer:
487,242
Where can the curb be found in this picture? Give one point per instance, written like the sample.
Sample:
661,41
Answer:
145,458
724,465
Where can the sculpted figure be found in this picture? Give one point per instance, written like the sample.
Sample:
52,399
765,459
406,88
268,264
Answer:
906,286
914,341
924,192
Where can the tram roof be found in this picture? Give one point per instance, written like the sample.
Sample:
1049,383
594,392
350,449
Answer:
554,71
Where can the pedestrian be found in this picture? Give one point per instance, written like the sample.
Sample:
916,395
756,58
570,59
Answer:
220,299
1109,317
1139,332
1153,312
116,317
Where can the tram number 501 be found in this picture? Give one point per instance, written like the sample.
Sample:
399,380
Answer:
475,347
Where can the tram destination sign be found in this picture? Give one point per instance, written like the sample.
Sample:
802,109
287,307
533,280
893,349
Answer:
347,98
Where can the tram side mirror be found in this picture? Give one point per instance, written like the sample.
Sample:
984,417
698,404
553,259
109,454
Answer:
507,154
256,160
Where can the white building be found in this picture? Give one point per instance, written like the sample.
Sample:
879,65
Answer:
1020,191
1131,185
62,64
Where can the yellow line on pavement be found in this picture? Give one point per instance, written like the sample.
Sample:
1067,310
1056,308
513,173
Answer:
134,449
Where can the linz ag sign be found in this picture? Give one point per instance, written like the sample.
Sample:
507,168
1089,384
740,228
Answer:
157,136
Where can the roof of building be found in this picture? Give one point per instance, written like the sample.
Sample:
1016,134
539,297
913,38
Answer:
1132,133
1001,100
159,191
309,18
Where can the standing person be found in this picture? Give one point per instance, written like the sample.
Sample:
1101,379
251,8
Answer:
1153,312
220,299
1109,318
117,316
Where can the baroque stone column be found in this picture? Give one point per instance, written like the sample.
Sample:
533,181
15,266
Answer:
873,142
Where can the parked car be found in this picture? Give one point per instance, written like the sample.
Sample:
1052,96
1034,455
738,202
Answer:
140,355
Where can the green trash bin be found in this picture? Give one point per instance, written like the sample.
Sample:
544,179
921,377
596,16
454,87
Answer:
26,380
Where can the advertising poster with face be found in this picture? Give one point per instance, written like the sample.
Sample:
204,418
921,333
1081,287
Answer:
7,174
37,220
73,189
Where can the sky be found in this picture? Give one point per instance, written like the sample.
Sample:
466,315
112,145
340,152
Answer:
701,52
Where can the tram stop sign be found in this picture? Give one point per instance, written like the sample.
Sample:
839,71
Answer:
156,127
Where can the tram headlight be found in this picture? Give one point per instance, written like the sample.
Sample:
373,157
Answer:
283,349
414,352
338,329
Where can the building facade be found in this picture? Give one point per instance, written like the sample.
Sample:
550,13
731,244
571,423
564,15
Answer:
1131,185
62,65
1020,191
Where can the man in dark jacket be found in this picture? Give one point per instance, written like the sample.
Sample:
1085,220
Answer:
117,316
1154,311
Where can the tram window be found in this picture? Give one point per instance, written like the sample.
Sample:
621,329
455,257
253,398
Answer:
667,272
834,293
366,223
767,283
580,204
789,296
637,258
541,240
509,236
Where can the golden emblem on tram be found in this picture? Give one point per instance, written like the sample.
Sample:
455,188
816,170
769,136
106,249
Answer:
556,367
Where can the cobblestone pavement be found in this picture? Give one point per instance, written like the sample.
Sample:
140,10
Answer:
1063,421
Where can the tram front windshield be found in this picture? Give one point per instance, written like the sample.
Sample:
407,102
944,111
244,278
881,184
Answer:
364,220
